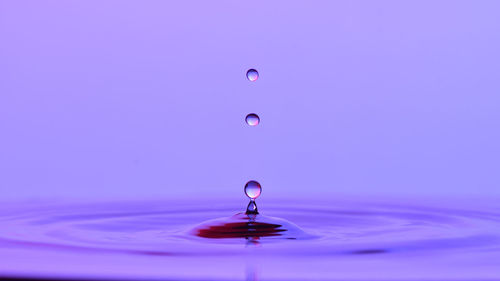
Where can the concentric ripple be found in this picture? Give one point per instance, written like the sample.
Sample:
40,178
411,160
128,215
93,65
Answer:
165,229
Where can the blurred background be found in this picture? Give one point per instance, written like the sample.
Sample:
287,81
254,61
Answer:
147,99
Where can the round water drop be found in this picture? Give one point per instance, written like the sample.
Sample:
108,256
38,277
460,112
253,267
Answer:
252,75
253,189
252,119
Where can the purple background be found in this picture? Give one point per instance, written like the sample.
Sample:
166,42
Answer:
140,99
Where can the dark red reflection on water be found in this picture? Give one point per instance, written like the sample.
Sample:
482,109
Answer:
250,226
163,241
241,230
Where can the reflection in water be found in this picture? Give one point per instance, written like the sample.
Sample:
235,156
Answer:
252,230
251,272
249,226
162,240
252,264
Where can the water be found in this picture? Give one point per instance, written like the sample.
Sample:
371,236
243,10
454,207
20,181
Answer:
329,240
252,75
252,227
253,189
252,119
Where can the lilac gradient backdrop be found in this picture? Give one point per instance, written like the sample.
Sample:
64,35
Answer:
129,99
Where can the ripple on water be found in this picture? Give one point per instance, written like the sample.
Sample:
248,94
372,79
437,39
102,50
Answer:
175,230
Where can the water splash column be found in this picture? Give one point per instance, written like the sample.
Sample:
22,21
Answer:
253,188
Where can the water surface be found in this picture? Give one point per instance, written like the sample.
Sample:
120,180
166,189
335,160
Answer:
338,240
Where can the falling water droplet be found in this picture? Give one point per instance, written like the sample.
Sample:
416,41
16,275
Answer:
252,75
253,189
252,119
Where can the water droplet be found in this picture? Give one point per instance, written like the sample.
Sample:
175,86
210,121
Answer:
253,189
252,75
252,119
252,208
